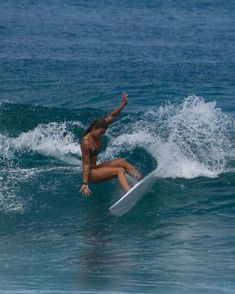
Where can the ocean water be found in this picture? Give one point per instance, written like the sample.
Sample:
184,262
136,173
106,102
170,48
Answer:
65,63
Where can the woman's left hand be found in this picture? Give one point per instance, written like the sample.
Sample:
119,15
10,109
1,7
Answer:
124,98
85,190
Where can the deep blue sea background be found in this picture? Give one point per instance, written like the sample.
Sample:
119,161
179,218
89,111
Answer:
65,63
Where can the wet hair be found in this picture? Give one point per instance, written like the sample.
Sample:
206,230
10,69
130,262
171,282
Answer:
98,123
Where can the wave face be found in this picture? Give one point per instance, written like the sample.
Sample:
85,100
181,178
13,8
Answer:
72,243
186,140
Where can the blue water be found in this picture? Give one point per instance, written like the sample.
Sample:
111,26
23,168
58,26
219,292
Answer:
65,63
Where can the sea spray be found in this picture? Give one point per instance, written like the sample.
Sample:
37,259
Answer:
53,139
187,140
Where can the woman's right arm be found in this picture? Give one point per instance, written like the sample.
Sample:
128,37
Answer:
86,168
118,109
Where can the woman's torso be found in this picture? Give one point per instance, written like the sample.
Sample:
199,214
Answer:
94,149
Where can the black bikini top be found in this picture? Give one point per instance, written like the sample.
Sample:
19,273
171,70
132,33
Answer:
95,151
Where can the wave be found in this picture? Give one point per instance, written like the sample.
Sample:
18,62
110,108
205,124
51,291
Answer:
185,140
16,194
51,139
190,139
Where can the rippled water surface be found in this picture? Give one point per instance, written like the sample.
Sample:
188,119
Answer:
65,63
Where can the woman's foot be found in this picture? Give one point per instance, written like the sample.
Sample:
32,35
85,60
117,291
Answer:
133,172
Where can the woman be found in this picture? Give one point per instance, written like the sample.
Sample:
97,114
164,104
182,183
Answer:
90,144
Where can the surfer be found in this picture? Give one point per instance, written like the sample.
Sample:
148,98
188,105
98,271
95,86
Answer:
90,145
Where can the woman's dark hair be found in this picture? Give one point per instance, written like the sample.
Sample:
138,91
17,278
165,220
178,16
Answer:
98,123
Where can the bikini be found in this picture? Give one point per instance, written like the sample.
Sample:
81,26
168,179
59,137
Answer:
93,152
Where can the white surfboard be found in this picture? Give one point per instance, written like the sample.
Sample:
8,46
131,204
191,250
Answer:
124,204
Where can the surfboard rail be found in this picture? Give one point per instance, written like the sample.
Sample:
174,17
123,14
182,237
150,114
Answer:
128,200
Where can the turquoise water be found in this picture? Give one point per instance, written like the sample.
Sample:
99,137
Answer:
65,63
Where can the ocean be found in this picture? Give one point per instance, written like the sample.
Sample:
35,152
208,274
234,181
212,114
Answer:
64,64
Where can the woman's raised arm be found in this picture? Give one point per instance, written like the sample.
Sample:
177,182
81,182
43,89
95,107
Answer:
118,109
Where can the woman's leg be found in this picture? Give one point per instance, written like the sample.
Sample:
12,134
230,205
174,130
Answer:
105,173
121,162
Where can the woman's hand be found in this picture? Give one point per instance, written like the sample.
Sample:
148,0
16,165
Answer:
85,190
124,98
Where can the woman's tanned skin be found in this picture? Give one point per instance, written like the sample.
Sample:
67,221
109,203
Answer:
115,168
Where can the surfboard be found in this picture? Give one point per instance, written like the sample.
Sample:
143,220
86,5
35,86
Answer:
127,201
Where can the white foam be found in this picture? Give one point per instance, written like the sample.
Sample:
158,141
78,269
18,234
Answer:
198,142
51,139
187,140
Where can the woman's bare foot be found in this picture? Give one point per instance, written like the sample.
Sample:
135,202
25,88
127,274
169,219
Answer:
133,172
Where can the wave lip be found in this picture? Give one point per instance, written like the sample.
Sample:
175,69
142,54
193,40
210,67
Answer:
51,139
188,139
198,141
